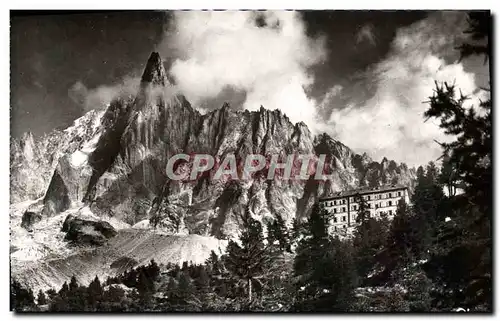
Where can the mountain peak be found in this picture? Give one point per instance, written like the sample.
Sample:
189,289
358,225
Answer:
155,71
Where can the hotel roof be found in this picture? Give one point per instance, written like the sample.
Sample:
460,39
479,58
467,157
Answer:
363,191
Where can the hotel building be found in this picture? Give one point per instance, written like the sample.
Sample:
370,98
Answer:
343,206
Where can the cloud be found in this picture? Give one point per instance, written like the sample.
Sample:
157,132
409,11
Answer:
390,123
366,33
98,98
266,55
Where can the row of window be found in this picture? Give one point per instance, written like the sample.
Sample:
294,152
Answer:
381,196
341,210
344,218
353,219
336,202
366,197
370,205
381,204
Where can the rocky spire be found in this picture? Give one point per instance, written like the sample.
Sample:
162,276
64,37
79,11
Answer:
155,71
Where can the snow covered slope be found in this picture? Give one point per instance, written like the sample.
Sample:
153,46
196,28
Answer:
139,246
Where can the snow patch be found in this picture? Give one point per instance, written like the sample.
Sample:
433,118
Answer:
143,225
78,158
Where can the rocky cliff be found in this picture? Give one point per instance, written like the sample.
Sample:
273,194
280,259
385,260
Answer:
115,161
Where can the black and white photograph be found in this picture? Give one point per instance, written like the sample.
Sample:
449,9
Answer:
236,161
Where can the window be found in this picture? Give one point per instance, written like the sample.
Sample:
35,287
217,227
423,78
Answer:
390,203
334,220
334,210
343,201
390,212
334,202
368,197
343,218
399,193
345,226
390,195
343,209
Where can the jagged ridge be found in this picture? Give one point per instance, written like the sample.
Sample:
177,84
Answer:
124,174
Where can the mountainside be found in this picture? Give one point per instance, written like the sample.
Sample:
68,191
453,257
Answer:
115,161
111,166
33,160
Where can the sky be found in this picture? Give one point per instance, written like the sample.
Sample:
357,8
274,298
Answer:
361,76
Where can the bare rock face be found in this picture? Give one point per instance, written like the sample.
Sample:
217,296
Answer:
87,232
118,168
33,161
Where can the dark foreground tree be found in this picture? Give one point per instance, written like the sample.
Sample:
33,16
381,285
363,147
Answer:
277,234
325,274
21,299
461,258
400,239
41,299
369,237
246,261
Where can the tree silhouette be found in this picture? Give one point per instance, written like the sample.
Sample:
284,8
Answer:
246,261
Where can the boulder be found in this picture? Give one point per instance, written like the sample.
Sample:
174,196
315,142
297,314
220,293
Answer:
29,219
87,232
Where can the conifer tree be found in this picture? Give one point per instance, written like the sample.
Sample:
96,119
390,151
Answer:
448,176
469,157
73,284
309,254
363,212
324,268
63,292
400,238
153,270
426,200
246,261
212,264
338,278
145,285
42,299
184,291
203,281
95,293
313,246
369,237
21,298
277,232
